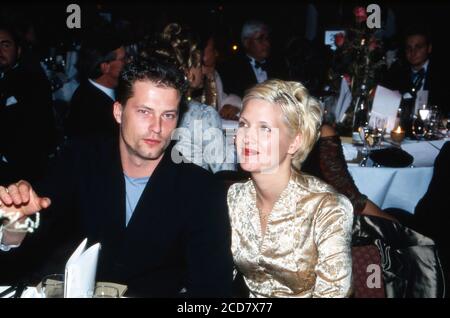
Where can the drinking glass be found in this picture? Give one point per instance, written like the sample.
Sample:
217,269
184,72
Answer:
106,291
15,235
52,286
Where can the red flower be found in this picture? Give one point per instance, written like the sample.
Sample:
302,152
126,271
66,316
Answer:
360,14
373,44
348,78
339,39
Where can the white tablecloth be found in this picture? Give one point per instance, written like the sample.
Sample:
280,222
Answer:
392,187
397,187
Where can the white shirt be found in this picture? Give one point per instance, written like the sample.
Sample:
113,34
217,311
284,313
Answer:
260,74
108,91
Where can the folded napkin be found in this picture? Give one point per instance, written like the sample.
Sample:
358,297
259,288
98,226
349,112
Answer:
80,271
391,157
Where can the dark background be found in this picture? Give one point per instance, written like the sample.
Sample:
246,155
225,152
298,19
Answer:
287,18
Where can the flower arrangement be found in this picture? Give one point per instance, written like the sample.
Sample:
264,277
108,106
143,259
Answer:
359,59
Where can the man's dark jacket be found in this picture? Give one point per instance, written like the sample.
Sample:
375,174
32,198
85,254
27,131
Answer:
237,74
91,113
27,123
399,77
178,236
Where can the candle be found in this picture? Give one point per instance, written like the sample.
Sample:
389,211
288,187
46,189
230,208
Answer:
398,134
423,113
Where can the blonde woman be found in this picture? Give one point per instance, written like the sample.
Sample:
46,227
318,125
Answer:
291,232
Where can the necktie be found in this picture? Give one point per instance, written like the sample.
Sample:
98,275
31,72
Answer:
417,78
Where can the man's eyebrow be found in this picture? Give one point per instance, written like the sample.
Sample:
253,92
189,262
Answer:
164,111
145,106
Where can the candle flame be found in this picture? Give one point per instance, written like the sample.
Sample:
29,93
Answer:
398,130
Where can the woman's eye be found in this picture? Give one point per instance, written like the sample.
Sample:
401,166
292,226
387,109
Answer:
242,124
266,128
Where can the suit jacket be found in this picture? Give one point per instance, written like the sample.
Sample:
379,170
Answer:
399,78
238,75
27,123
91,113
178,236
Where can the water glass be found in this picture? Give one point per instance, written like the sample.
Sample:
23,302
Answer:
106,291
52,286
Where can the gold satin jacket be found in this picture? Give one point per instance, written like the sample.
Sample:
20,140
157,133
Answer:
306,249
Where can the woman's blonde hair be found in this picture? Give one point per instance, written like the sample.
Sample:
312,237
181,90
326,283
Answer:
301,112
185,46
176,44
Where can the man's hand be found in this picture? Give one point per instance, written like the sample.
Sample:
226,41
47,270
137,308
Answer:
20,197
229,112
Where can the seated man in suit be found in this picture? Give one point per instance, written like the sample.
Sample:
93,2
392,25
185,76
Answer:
27,123
163,227
90,111
255,65
418,72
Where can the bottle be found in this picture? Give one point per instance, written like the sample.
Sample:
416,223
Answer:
361,109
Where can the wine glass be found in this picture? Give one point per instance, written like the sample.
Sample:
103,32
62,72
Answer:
434,122
379,130
419,128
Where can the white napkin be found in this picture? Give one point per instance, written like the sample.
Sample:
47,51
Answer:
344,100
385,105
31,292
80,271
11,101
350,152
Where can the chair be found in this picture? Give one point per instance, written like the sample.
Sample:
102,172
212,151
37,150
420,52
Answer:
368,280
408,260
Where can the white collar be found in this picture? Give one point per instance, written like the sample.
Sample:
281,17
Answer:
424,66
253,60
108,91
